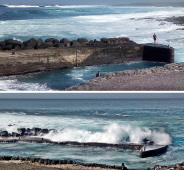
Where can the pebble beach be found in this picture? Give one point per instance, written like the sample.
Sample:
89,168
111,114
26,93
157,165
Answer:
167,78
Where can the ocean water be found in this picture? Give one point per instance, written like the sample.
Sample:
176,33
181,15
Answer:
108,121
92,22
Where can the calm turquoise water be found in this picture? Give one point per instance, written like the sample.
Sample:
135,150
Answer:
110,121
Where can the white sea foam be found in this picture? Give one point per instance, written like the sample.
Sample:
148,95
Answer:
13,84
79,6
22,6
113,133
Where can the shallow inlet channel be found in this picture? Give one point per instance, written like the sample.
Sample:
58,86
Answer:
62,79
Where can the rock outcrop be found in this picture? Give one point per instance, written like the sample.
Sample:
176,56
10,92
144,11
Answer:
61,162
178,166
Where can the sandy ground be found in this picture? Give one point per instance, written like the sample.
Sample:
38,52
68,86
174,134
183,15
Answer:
18,165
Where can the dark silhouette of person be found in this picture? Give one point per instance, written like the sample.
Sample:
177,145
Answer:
98,74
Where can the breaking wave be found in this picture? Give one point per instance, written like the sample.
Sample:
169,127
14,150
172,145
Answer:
113,133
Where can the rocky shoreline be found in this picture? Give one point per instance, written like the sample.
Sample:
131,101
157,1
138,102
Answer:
176,20
19,163
60,162
168,77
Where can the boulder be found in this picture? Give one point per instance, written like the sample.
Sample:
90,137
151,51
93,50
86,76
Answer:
48,44
45,45
35,130
2,43
82,40
49,39
21,131
14,134
104,40
39,43
96,43
53,40
75,43
41,161
30,44
58,45
44,131
91,42
13,42
15,158
17,47
54,162
99,43
4,134
65,41
68,45
6,158
46,162
8,47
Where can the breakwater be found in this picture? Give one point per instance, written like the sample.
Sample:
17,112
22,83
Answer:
37,135
18,57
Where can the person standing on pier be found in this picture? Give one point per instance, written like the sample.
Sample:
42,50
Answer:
154,38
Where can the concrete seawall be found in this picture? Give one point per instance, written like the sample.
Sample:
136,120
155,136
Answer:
158,52
27,61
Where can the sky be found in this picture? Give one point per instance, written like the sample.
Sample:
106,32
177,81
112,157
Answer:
92,95
78,2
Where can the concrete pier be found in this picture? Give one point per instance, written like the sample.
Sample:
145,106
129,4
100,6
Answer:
158,52
33,139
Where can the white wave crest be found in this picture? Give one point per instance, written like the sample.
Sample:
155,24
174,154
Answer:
22,6
15,85
78,6
113,133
